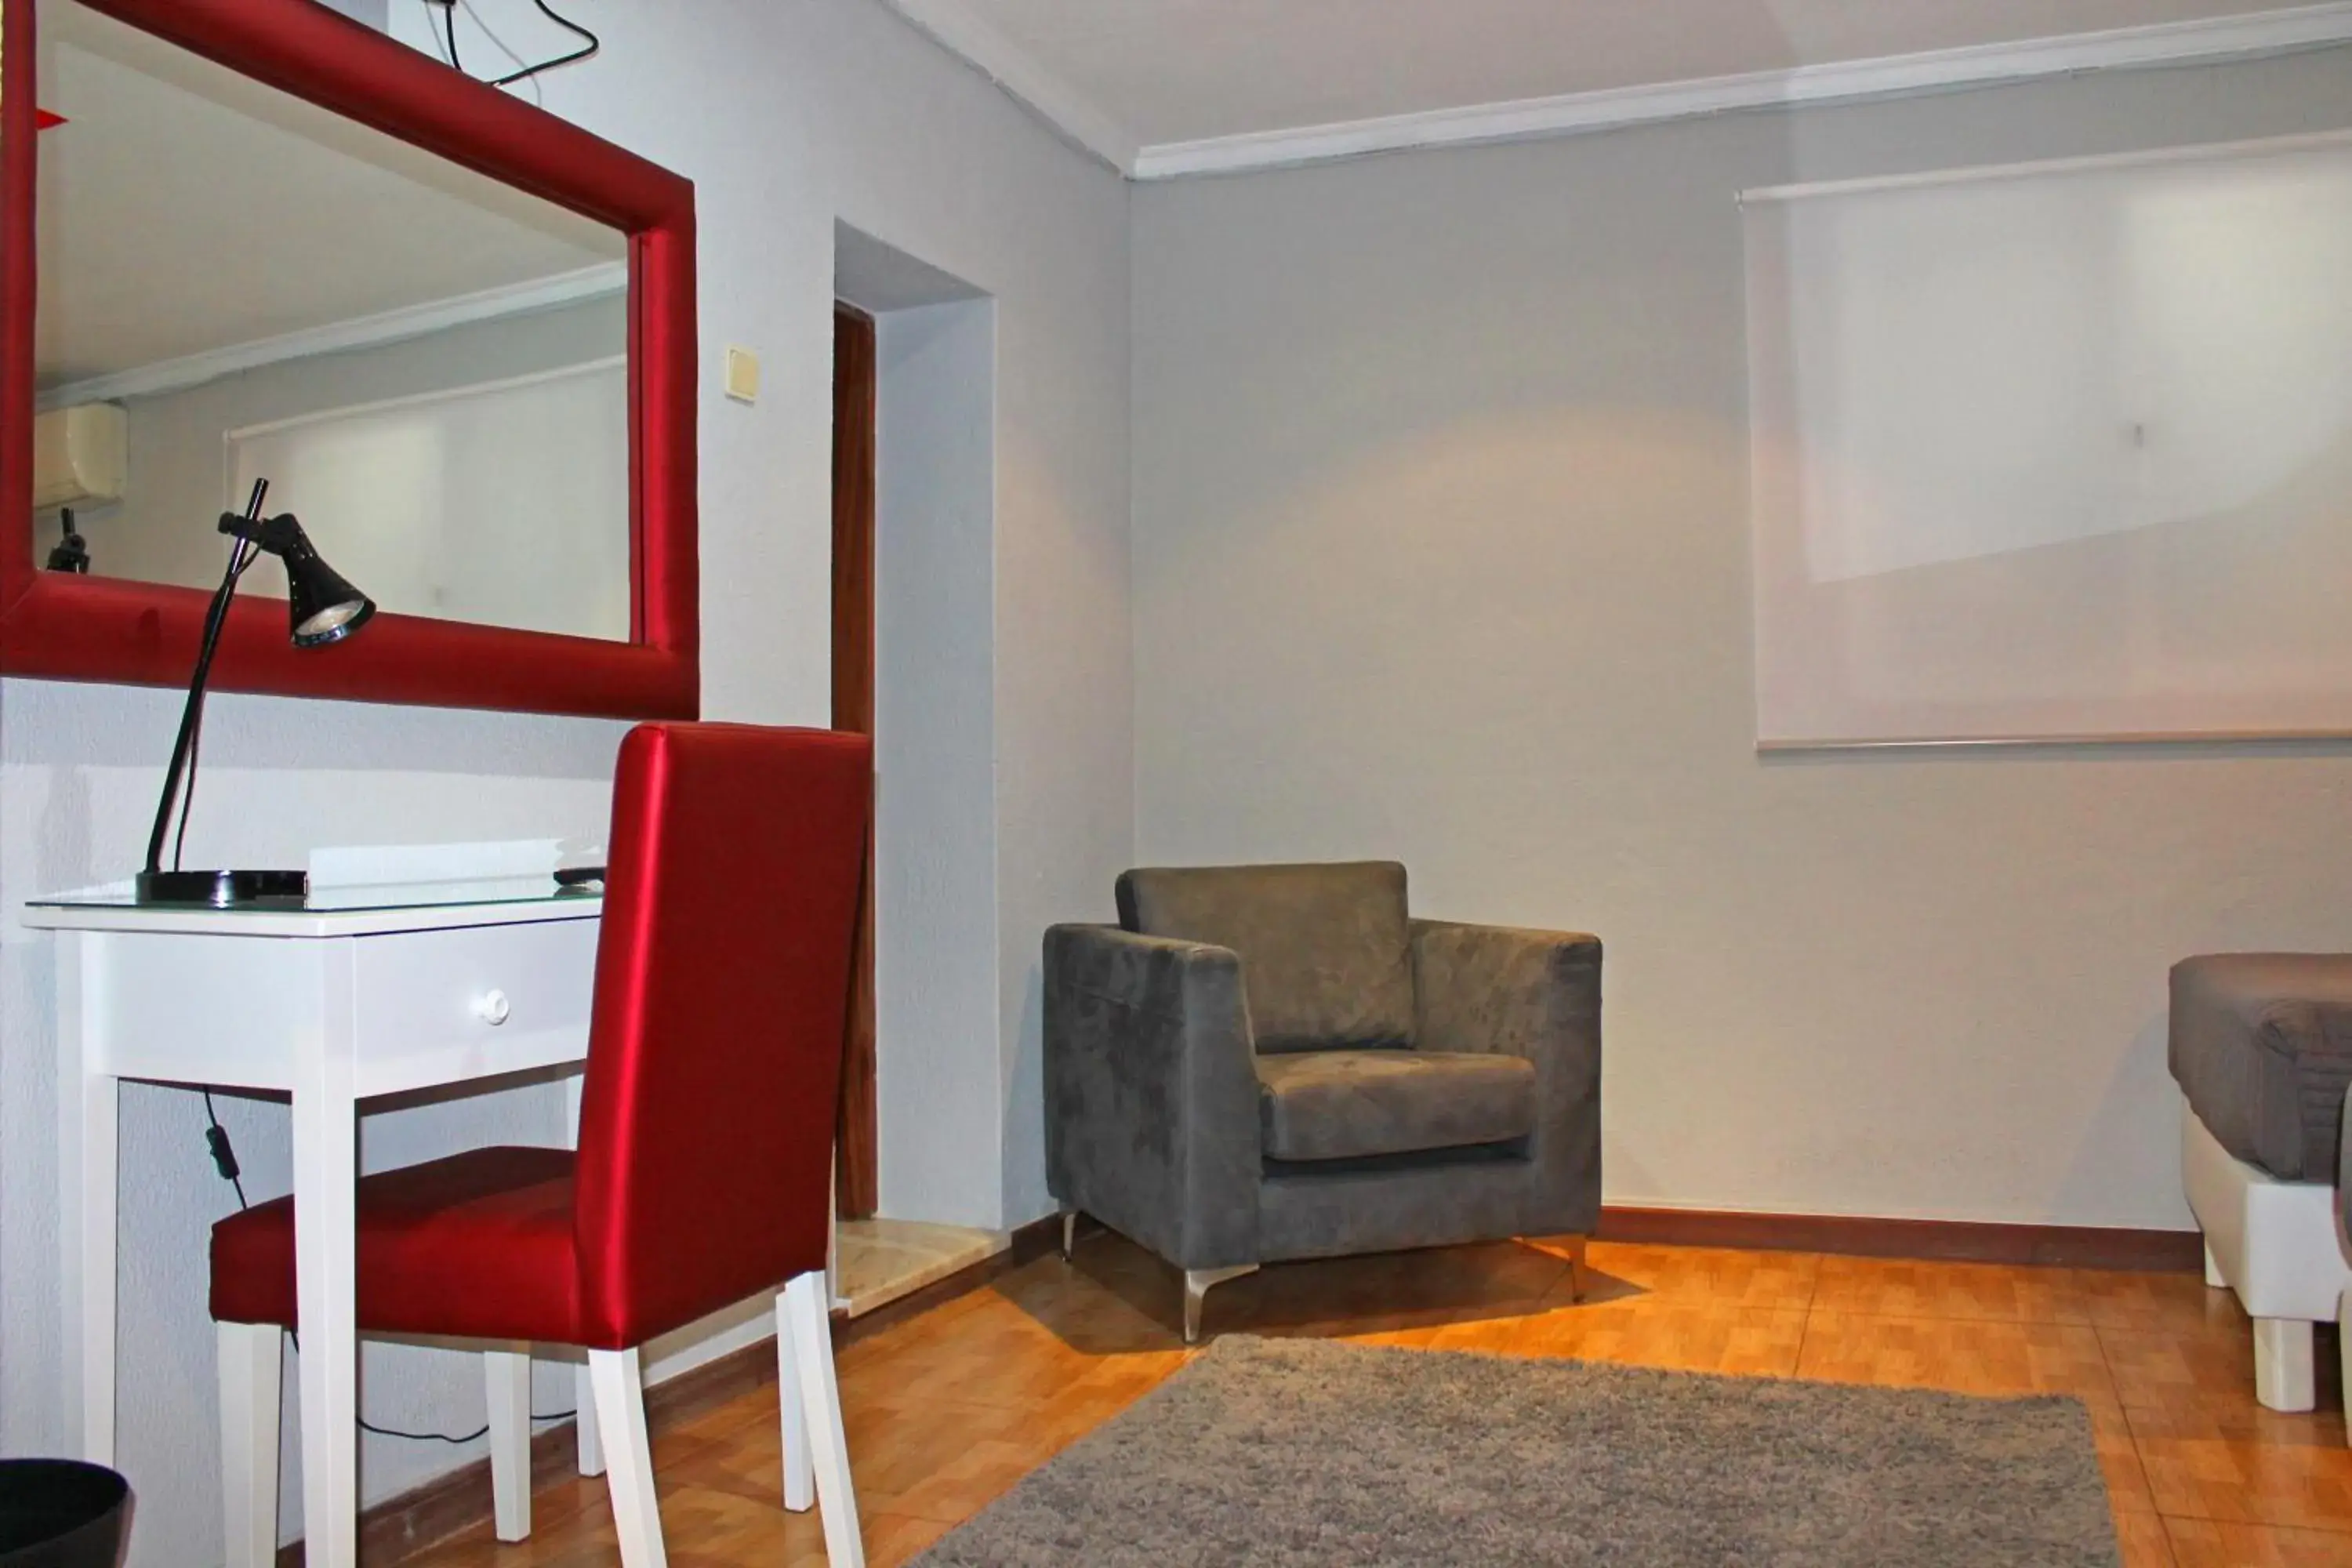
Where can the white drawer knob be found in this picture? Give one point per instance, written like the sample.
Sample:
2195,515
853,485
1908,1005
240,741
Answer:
492,1007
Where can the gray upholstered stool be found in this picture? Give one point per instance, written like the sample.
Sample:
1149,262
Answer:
2262,1048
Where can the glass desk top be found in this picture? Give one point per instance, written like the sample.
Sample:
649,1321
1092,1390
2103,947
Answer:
358,898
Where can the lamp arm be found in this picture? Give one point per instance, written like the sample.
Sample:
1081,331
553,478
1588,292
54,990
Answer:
193,712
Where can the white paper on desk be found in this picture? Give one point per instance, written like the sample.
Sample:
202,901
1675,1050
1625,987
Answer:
514,860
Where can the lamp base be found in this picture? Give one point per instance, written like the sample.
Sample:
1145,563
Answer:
225,889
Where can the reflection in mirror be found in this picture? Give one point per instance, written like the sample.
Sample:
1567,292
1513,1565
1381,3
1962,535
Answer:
429,367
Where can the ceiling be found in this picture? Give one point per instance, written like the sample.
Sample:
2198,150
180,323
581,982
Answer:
185,210
1147,83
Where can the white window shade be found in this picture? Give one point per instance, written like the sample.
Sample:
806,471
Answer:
2057,451
505,504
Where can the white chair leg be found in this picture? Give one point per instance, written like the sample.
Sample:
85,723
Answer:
584,1424
2213,1280
620,1401
507,1376
2282,1367
806,1308
800,1470
250,1370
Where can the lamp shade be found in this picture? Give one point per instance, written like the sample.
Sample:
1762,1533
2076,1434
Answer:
323,607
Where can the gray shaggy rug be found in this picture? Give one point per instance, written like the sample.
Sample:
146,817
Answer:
1299,1452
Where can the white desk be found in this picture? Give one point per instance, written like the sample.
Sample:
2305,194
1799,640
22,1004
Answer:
395,990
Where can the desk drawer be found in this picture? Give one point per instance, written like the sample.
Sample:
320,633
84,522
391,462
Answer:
496,998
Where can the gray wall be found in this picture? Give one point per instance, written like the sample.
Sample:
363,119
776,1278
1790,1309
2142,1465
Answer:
795,116
374,13
1441,552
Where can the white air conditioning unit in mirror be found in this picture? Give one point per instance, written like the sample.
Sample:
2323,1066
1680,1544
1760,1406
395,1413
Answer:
81,456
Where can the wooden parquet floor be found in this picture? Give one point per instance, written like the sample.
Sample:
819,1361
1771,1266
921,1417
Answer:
948,1409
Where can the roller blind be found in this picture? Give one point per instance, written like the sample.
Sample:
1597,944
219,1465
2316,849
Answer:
2057,450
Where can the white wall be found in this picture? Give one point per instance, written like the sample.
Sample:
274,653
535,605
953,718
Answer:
374,13
786,117
939,1047
1441,552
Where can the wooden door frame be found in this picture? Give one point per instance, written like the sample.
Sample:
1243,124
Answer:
855,408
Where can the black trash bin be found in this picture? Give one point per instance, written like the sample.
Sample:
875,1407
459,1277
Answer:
61,1513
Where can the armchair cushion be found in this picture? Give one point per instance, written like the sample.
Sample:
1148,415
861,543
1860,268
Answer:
1326,951
1346,1105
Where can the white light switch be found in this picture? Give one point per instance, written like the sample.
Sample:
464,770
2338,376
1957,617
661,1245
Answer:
742,375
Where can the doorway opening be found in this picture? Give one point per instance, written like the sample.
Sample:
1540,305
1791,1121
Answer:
922,1112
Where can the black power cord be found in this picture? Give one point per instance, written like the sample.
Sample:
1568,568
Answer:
590,46
446,39
224,1156
481,1431
224,1161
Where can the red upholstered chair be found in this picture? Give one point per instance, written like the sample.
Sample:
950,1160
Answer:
703,1173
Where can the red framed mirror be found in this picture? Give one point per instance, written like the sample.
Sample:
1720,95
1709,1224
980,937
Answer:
624,648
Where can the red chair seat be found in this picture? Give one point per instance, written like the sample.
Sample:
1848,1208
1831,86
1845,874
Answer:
479,1246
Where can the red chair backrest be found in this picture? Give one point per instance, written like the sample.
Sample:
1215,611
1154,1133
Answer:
723,989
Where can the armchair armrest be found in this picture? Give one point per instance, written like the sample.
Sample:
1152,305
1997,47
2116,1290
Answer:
1151,1092
1531,993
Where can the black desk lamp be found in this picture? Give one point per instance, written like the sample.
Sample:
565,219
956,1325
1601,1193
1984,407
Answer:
323,609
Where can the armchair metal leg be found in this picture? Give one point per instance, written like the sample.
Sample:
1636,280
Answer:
1069,1232
1196,1287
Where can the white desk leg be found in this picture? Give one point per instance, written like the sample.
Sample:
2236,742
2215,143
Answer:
87,1157
584,1430
99,1241
507,1375
326,1259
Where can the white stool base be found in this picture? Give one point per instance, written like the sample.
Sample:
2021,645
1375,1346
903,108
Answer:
2282,1364
2275,1243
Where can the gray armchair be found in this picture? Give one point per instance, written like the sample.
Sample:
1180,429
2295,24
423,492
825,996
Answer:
1272,1062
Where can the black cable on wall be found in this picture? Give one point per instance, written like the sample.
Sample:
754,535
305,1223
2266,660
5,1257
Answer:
446,38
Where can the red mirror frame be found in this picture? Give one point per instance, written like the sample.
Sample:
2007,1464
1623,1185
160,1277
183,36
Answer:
60,626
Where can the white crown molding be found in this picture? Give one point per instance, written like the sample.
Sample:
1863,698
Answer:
360,331
2172,43
2150,157
952,25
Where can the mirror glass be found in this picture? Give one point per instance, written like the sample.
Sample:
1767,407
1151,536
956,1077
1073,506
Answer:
428,367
